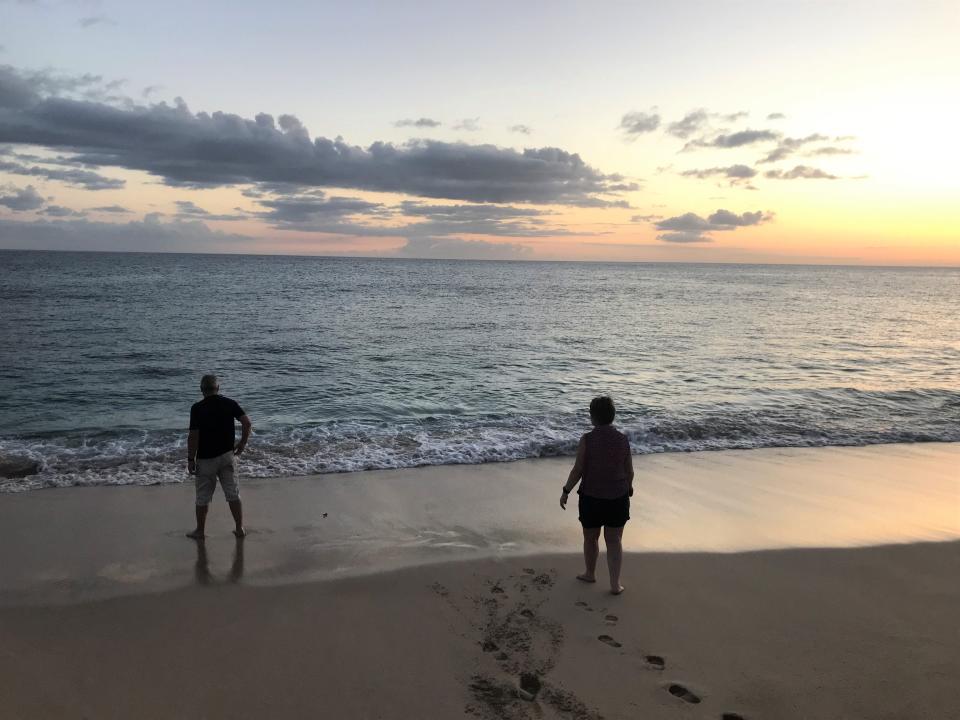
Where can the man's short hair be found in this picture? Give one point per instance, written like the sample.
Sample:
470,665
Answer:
602,410
209,383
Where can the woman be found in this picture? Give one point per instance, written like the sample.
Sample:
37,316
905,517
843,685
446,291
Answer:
604,464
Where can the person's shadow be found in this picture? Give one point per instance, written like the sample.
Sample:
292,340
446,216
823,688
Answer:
201,569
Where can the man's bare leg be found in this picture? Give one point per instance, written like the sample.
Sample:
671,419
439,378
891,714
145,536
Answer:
591,551
198,534
236,509
613,538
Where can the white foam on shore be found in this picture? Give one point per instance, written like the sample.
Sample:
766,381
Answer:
149,458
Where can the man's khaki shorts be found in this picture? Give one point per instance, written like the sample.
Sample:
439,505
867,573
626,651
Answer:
209,470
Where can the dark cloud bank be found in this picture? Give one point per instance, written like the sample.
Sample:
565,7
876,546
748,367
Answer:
216,149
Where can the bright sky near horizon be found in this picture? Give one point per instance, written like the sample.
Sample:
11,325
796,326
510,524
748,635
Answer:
754,131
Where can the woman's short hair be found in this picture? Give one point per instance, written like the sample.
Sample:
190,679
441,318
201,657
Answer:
602,410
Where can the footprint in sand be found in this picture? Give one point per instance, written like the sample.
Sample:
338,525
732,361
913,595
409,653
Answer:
681,692
530,571
530,683
611,619
731,716
655,661
527,613
609,641
583,605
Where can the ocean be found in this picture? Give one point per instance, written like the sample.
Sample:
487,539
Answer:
360,363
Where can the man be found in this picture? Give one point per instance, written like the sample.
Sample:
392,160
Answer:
211,451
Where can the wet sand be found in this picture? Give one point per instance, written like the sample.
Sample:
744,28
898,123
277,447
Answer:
78,544
439,591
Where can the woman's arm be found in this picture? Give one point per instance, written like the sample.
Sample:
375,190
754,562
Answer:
628,470
575,474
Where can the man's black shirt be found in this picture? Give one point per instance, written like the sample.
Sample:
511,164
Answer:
214,417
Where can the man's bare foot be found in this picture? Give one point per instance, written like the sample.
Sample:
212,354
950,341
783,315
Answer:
583,577
196,535
617,590
240,533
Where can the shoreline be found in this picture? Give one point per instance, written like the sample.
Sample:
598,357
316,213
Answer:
84,543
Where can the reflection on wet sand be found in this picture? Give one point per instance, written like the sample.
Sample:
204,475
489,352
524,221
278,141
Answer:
201,569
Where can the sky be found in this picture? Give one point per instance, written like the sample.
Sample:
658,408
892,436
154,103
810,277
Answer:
767,132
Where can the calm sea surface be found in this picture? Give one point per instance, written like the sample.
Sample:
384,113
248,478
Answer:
347,364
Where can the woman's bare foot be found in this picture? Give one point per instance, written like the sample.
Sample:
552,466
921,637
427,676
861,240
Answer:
617,590
196,535
583,577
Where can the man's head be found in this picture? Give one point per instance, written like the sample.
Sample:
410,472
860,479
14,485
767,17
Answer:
209,385
602,410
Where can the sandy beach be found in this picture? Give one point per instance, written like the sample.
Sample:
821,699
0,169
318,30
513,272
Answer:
804,583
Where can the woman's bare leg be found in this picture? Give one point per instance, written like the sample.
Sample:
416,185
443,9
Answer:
612,537
591,551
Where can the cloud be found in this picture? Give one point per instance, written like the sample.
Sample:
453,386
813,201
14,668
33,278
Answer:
522,129
460,249
734,116
789,145
86,179
147,235
691,123
829,150
733,172
734,140
691,228
91,20
776,116
800,172
724,219
468,124
21,199
352,216
60,211
189,209
150,90
699,120
645,218
423,122
110,209
499,220
21,88
638,123
218,149
332,215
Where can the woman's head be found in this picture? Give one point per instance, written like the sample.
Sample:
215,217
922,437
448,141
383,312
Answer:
602,410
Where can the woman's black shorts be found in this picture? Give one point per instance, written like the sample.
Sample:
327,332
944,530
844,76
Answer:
600,512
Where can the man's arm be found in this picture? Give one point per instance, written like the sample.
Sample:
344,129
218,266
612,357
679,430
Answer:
193,443
575,474
245,426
